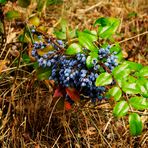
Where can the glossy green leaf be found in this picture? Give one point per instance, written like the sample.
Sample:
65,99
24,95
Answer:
43,73
144,72
134,66
121,109
115,48
107,26
86,40
103,79
130,88
139,103
119,56
116,93
142,84
13,14
121,72
135,124
131,79
73,49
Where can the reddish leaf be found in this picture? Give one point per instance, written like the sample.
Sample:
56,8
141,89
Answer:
73,94
58,92
67,105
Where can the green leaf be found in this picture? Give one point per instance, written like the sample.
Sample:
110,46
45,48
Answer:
89,61
86,40
130,88
116,93
26,58
131,79
103,79
139,103
3,2
133,65
144,72
73,49
121,109
63,25
142,85
121,71
23,3
72,33
60,35
13,14
43,73
107,26
115,48
135,124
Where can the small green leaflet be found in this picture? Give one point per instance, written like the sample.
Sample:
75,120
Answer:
120,109
13,14
116,93
107,27
60,35
135,124
139,103
89,63
73,49
43,73
103,79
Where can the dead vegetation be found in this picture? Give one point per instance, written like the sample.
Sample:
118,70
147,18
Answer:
28,118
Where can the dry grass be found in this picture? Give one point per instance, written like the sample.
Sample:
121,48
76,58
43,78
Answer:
28,116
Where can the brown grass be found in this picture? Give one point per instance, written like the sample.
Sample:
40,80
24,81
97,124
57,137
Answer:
29,119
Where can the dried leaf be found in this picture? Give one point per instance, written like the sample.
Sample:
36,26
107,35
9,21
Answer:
3,65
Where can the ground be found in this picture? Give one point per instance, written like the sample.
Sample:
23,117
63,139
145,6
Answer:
28,116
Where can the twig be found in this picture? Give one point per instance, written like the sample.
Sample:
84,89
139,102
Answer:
136,36
93,7
141,113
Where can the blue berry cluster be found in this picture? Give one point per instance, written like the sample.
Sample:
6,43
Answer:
71,71
110,58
